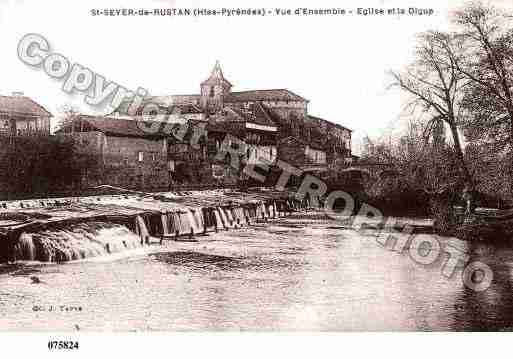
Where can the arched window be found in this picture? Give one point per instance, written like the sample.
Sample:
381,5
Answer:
212,93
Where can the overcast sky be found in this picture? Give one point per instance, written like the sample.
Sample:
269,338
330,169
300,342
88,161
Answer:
339,63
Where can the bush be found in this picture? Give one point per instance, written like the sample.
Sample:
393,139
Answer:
41,165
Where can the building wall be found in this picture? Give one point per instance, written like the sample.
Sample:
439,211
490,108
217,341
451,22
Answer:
315,156
135,162
127,162
256,153
24,125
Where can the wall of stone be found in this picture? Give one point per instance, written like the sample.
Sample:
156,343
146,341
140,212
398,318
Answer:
135,162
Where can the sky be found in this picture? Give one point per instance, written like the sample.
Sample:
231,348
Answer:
339,63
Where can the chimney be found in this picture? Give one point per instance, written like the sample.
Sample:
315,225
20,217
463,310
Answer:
17,94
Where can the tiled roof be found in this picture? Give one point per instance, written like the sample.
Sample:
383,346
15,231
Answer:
175,99
255,113
22,105
232,97
232,118
121,126
315,118
185,102
263,95
238,96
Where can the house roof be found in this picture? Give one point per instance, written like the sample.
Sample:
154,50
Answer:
263,95
121,126
22,105
166,103
232,117
328,122
255,113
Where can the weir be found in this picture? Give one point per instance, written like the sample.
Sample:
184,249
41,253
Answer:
83,230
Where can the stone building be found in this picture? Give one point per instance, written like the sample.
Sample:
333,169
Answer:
128,154
22,116
262,118
272,124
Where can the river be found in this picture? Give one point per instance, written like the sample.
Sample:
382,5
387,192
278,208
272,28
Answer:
288,274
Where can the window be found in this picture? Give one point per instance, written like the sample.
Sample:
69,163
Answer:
140,156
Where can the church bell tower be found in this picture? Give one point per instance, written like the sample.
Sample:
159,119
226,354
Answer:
214,89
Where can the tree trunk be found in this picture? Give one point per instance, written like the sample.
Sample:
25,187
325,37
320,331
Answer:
441,207
470,189
510,159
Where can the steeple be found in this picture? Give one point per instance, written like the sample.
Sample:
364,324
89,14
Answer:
214,88
217,77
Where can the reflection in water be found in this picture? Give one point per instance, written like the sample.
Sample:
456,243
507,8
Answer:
491,309
277,276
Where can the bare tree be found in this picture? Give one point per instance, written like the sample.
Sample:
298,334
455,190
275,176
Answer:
485,38
435,84
485,48
68,113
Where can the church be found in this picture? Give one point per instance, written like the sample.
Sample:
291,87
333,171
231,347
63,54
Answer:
273,124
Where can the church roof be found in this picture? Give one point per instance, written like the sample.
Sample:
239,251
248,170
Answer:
232,97
263,95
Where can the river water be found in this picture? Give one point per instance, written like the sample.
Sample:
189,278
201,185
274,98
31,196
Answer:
288,274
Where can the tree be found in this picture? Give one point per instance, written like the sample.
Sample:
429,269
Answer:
435,84
68,114
485,45
486,41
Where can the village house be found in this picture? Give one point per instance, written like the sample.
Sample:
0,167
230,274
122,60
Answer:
182,150
22,116
127,154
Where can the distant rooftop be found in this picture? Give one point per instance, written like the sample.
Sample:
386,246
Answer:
22,105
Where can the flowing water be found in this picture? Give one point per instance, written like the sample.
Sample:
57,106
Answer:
288,274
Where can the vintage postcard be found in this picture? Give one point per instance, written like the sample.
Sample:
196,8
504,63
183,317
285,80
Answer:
256,166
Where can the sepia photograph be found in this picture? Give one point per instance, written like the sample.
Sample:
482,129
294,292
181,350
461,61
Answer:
194,168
